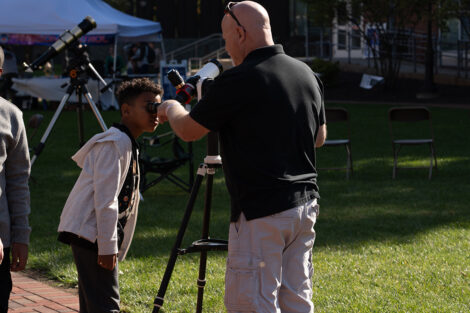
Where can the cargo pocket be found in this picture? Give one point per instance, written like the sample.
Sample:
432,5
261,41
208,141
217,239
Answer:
242,283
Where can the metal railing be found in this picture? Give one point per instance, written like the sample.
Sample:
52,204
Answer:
463,52
197,48
319,43
408,46
196,63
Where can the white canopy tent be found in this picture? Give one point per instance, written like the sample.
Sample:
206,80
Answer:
36,22
53,17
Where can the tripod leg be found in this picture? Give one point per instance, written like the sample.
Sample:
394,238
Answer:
42,143
201,281
92,68
191,164
81,127
158,302
94,108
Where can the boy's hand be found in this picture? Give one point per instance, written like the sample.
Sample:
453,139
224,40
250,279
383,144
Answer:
19,256
107,261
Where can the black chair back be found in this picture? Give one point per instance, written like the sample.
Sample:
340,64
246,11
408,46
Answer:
409,114
336,115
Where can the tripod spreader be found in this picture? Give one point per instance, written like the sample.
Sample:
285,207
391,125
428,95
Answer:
205,245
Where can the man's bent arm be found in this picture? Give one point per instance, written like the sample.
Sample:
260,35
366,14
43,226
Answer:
180,121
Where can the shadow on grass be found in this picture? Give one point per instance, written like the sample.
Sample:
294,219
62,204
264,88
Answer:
352,212
161,214
378,209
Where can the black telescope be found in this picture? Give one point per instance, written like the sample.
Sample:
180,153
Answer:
187,90
66,39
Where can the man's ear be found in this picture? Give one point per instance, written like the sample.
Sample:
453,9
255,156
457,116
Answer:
241,33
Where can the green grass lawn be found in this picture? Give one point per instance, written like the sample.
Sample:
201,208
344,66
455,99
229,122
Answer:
382,245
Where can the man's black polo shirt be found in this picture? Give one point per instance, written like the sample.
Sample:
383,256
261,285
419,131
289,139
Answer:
267,111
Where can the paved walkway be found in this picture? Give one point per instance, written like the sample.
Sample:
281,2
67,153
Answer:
30,295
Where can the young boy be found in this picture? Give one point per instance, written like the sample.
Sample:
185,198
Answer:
99,217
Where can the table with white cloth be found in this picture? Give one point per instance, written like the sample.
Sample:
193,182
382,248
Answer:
50,88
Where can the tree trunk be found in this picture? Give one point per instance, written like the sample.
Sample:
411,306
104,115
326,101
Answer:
429,86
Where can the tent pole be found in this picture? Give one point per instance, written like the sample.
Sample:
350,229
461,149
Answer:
115,56
114,68
163,47
163,55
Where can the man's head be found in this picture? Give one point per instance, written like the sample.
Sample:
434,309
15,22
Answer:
2,58
245,27
133,97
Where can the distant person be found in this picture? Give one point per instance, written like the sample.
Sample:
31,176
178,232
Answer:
132,66
100,214
109,63
144,58
10,71
158,57
269,112
48,69
14,195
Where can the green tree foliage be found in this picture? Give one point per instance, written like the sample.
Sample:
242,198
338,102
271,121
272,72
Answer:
122,5
460,9
392,21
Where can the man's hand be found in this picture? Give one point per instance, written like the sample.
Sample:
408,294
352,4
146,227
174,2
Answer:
107,261
1,251
181,122
161,111
19,256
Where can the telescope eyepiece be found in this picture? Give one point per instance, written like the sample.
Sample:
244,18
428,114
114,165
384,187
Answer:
87,24
152,107
175,78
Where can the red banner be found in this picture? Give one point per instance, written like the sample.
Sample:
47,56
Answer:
46,40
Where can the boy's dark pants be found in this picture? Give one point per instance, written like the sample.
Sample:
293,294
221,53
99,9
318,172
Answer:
98,288
5,281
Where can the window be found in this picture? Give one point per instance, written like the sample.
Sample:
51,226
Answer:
297,17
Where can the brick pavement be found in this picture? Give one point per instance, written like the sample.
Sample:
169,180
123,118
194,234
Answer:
30,295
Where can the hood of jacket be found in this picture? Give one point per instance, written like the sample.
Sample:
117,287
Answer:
112,134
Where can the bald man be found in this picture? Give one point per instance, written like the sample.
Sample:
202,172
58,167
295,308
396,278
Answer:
269,112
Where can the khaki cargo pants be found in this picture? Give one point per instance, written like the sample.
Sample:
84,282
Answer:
269,264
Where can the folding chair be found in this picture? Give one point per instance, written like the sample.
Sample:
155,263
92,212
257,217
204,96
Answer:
411,115
336,115
163,166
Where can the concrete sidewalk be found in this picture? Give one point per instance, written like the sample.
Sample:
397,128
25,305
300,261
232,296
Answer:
31,295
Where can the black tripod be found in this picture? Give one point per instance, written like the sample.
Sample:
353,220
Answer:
78,69
205,244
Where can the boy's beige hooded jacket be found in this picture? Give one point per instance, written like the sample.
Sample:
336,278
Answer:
91,210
